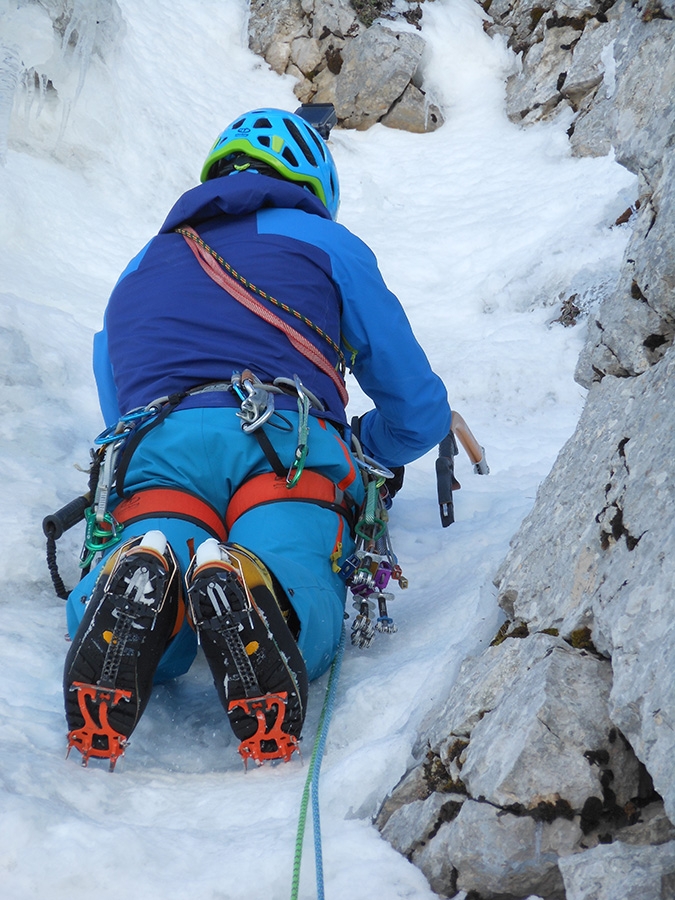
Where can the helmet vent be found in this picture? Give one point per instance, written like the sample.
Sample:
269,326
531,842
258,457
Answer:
264,140
317,142
289,156
301,142
237,124
262,123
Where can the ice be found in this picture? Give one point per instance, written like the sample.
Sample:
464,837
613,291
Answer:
10,70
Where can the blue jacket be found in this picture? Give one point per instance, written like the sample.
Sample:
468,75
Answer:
169,327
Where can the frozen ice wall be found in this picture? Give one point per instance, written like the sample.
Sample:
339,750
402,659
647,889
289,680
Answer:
46,49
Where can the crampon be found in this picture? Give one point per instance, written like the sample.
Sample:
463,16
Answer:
97,738
270,741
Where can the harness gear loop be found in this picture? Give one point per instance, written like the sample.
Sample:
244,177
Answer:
218,270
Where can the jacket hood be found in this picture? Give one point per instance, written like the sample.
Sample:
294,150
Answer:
240,195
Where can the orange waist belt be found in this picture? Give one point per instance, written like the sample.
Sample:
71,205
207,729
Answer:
257,491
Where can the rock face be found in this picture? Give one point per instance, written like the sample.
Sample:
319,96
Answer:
367,70
610,68
549,769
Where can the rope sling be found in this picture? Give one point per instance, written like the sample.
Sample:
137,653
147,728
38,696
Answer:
241,290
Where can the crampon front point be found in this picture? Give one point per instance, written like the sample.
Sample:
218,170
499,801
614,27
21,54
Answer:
269,742
97,738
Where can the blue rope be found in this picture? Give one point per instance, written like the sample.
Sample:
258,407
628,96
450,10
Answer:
329,703
313,780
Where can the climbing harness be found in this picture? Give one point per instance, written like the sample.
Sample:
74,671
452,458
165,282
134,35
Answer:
269,488
312,781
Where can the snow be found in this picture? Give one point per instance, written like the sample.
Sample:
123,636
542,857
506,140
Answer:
481,229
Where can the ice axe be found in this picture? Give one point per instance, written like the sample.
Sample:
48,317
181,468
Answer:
446,482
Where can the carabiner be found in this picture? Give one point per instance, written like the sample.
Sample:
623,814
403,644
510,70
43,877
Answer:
298,465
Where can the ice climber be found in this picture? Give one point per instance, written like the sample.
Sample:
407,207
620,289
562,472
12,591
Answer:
228,486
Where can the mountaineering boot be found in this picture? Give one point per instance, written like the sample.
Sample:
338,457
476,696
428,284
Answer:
129,621
257,668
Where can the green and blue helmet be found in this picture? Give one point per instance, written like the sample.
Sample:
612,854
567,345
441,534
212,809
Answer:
289,145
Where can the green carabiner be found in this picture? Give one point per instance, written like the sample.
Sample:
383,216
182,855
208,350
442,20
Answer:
296,469
96,538
298,465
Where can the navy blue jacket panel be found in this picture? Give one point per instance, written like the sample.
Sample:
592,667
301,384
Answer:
169,327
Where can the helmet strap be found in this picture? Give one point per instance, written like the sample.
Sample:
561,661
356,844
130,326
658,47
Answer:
242,163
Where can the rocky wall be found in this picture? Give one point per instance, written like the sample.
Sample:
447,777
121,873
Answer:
342,53
548,772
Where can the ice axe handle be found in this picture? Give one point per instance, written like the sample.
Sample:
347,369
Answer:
445,479
474,451
57,523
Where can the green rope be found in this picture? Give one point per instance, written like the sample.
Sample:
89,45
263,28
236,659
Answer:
315,762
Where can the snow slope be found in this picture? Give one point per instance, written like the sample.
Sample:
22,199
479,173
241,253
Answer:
480,228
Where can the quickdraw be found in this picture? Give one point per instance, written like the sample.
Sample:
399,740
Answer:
298,463
373,564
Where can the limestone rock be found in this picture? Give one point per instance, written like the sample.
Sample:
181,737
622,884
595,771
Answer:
623,336
524,21
652,827
481,685
413,111
654,270
336,17
598,549
591,133
273,26
413,786
617,871
537,88
306,54
412,826
366,72
377,67
533,749
497,854
644,107
324,85
592,58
